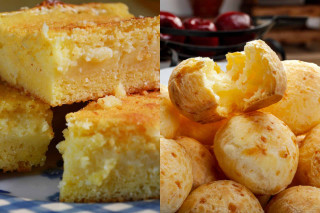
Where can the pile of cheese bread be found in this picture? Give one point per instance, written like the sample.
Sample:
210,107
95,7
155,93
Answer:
242,140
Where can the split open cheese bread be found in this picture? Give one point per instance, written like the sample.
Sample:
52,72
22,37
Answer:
204,93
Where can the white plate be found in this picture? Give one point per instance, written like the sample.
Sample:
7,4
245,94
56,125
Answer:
165,73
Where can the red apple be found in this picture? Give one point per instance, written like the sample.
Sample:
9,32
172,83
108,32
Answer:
203,25
234,21
171,21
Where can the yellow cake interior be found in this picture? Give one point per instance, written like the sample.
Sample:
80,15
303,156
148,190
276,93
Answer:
25,130
111,150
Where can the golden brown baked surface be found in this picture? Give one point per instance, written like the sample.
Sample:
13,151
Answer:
79,52
203,163
204,133
133,109
204,93
174,124
308,172
25,130
299,108
221,196
175,175
169,115
111,150
295,200
64,17
270,151
257,150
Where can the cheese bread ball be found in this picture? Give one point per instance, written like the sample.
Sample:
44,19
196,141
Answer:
300,106
203,164
308,172
204,93
297,199
221,196
169,115
175,175
257,150
204,133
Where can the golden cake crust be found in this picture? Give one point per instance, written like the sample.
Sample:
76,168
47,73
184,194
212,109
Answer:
12,99
66,16
133,109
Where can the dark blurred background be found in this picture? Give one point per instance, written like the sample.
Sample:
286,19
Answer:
299,40
137,7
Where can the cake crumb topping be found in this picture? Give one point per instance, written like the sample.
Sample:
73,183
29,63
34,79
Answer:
120,91
109,101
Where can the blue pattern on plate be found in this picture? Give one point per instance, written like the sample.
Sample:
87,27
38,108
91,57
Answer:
54,197
53,173
14,188
9,203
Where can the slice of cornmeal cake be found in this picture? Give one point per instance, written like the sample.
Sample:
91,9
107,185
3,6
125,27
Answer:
25,130
111,150
65,53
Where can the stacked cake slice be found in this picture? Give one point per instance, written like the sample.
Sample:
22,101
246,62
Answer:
25,130
66,53
111,150
61,54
